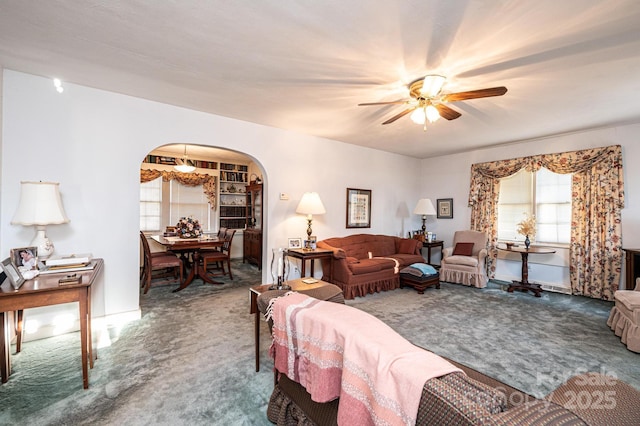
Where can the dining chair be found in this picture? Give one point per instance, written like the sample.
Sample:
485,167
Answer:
161,261
220,257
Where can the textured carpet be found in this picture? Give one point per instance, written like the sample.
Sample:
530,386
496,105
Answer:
190,359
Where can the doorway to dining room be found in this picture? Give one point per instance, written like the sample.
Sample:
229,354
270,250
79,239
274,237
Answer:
211,188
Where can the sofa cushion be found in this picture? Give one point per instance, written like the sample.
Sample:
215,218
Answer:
463,249
365,266
352,260
462,260
407,246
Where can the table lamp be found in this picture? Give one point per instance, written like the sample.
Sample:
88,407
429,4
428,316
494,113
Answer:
424,208
310,204
40,205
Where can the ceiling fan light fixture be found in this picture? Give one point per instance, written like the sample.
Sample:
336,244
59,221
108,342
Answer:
432,85
432,113
418,116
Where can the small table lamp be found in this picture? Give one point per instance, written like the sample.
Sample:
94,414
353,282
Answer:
310,204
40,205
424,208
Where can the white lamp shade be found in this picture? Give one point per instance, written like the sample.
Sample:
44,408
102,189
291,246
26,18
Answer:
310,203
40,204
424,207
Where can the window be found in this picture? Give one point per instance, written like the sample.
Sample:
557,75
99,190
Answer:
188,201
150,205
179,201
545,194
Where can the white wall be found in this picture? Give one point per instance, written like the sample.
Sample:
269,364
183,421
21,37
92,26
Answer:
93,142
449,177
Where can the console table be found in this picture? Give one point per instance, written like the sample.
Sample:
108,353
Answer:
524,283
45,290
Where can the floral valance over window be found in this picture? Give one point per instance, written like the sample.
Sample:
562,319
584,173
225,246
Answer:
598,198
208,182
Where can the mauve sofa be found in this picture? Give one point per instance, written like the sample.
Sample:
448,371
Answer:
368,263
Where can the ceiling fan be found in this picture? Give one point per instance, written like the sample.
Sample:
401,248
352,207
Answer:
427,103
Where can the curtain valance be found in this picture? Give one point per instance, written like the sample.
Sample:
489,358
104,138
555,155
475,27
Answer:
208,182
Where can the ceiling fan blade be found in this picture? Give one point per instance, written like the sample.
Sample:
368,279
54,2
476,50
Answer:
398,102
400,115
474,94
446,112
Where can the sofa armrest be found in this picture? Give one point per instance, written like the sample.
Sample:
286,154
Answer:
338,253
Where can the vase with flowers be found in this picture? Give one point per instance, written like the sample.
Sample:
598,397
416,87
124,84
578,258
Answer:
188,227
527,227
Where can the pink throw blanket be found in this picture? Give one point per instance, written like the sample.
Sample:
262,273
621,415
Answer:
334,350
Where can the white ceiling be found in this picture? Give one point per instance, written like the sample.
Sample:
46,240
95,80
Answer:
304,65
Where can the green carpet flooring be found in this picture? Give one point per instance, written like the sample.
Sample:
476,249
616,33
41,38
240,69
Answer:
190,359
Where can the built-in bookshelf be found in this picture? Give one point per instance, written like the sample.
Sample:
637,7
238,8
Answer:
233,207
171,161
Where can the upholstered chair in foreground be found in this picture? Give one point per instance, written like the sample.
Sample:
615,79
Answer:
464,262
624,318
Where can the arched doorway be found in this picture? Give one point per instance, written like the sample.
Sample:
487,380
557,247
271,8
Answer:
219,203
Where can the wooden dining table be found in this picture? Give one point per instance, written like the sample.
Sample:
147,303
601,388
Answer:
192,246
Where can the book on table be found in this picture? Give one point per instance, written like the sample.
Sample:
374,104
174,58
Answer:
68,260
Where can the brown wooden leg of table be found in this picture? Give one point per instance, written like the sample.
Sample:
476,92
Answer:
312,265
83,339
257,339
19,317
5,347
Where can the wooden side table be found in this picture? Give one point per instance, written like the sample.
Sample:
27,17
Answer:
45,290
311,255
257,290
524,284
429,246
632,267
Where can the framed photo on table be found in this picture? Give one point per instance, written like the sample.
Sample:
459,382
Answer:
358,208
445,208
295,243
25,257
10,270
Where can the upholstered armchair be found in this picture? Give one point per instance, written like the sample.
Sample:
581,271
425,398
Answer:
464,262
624,318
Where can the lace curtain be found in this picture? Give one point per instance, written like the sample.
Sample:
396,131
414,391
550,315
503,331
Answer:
189,179
595,251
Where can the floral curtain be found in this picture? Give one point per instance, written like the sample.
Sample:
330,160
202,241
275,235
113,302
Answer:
595,251
208,182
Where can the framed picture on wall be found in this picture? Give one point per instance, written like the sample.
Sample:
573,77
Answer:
445,208
358,208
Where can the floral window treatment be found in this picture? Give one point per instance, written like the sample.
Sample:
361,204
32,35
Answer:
597,186
189,179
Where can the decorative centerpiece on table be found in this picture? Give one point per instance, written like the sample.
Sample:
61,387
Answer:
527,228
188,227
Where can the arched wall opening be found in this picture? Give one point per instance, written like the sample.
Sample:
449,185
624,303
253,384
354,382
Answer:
233,170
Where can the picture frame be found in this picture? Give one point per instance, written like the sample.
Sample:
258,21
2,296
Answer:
311,243
294,243
25,258
14,275
445,208
358,208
